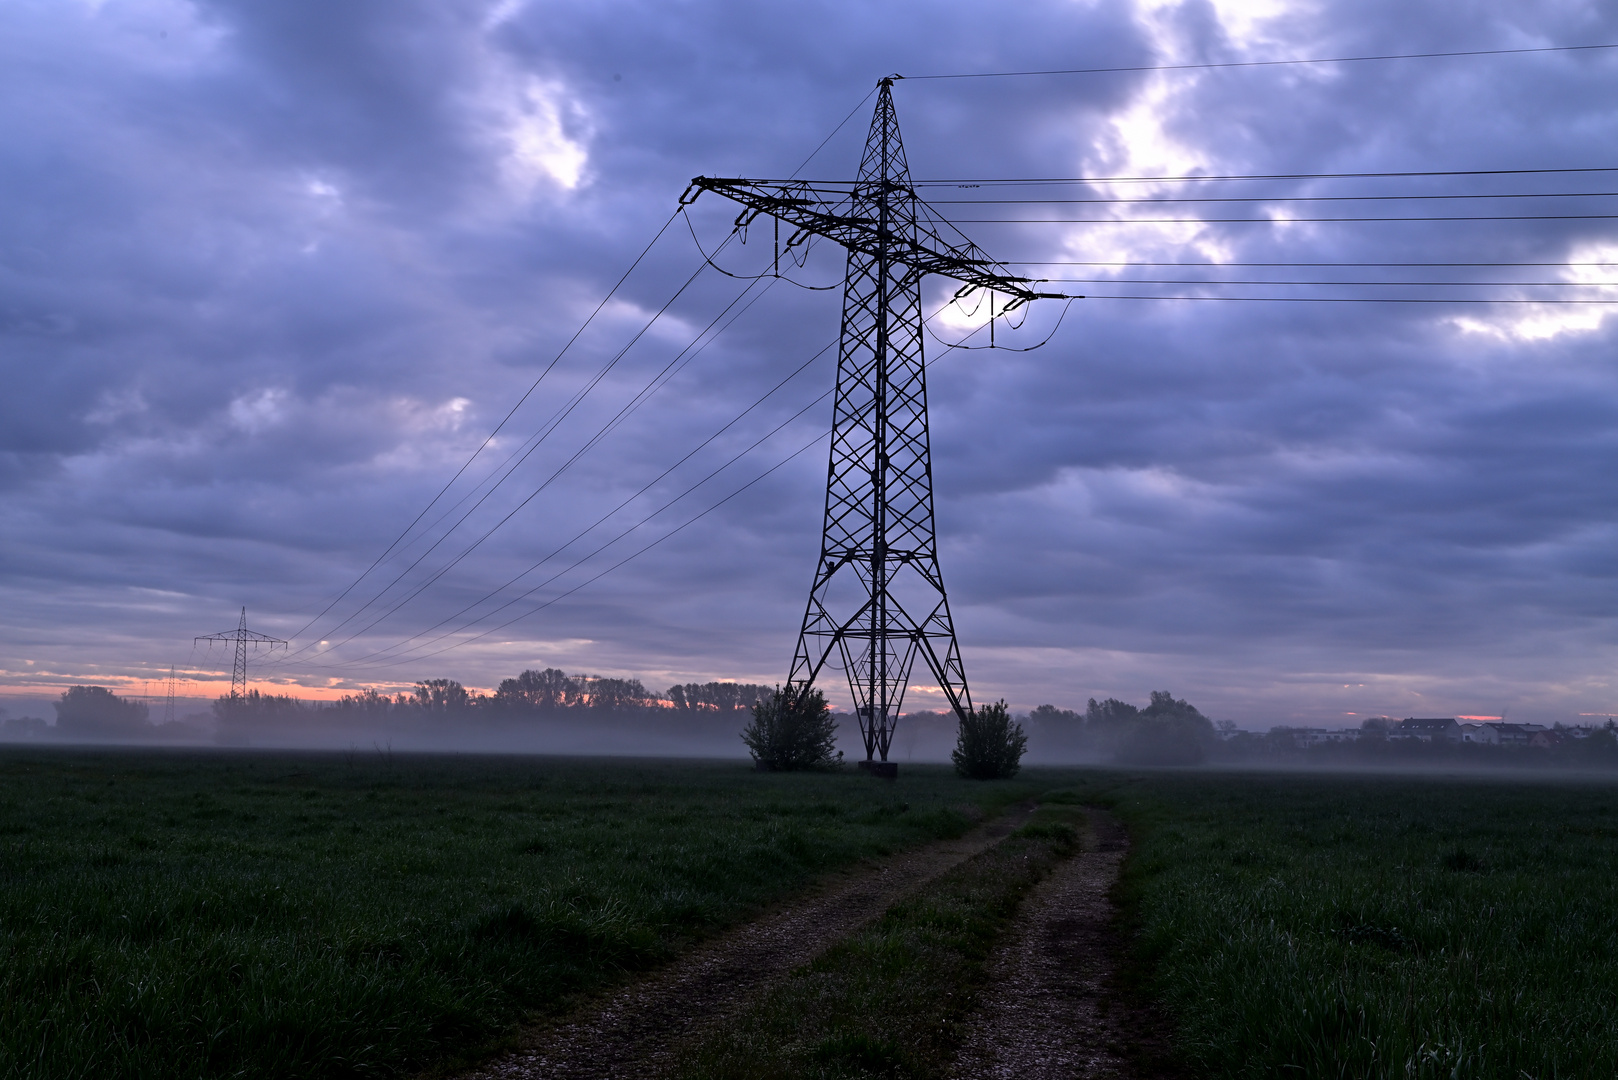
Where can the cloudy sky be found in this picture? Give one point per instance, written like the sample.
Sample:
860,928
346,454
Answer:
271,273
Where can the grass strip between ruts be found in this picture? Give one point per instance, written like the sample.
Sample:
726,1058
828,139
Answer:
888,1000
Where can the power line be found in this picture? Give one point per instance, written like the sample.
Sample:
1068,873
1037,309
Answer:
603,547
1180,178
1246,265
599,307
588,445
396,661
417,659
1262,63
682,358
609,514
498,427
1279,221
1377,284
628,410
1355,299
886,102
1152,200
805,163
594,524
532,444
633,555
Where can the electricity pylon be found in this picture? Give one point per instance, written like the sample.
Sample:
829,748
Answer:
243,637
168,698
878,600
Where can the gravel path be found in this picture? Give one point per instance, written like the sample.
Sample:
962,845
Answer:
1049,1012
629,1032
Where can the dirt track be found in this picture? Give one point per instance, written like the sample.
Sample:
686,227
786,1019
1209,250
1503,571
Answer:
1050,1012
627,1032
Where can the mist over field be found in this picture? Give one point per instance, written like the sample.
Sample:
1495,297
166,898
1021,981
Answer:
551,713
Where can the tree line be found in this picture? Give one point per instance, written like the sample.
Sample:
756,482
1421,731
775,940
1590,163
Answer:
95,712
1165,731
536,693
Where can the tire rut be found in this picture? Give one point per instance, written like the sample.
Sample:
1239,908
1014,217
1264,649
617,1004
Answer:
629,1031
1050,1010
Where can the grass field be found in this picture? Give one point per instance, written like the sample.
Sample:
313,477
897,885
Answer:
1340,926
224,914
213,914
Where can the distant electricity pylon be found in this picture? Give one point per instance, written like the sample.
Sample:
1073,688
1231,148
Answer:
168,703
878,599
243,637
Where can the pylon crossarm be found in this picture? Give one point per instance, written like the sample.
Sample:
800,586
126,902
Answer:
824,211
249,636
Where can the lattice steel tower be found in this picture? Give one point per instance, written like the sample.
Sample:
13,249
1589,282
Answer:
242,637
878,600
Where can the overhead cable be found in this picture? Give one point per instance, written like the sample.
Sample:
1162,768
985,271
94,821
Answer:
600,434
1198,178
609,514
533,443
1152,200
1264,63
498,427
1280,220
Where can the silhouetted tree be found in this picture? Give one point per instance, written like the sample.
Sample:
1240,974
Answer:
368,702
256,708
1375,727
989,744
1167,732
1056,729
1051,716
441,696
719,696
792,729
1107,721
88,712
613,695
538,691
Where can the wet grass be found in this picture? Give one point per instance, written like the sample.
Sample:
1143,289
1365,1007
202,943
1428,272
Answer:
215,914
193,914
1339,926
888,1001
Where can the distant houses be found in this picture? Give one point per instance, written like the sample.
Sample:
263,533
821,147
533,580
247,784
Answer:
1488,733
1434,729
1428,729
1516,734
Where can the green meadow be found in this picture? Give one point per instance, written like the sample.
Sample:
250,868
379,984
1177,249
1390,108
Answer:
1375,926
225,914
230,914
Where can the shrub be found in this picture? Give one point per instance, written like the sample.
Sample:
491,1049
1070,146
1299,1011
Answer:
792,729
990,744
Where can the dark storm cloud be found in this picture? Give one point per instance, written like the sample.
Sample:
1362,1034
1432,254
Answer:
269,273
